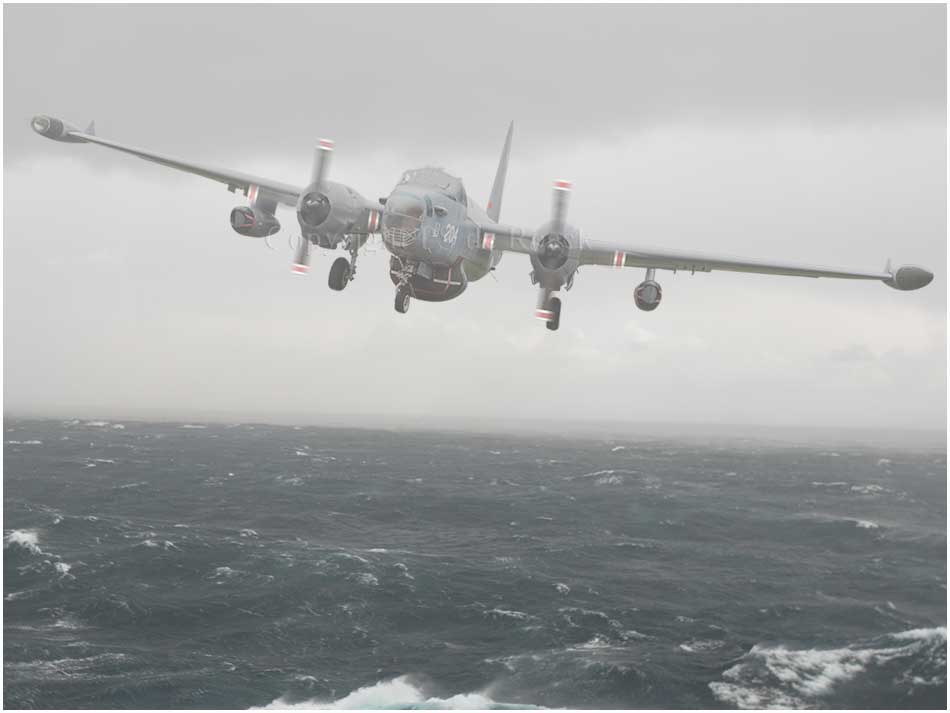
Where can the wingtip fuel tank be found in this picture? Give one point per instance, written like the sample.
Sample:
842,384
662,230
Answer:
55,129
909,277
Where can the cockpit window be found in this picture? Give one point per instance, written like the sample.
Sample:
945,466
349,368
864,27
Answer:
405,205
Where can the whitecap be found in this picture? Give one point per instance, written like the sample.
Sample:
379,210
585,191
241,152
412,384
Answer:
616,449
193,426
777,676
248,532
700,646
225,572
872,489
399,693
562,588
403,569
27,539
164,544
367,579
498,613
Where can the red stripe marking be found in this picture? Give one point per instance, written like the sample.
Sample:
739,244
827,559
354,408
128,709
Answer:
252,194
488,241
619,258
326,144
300,269
544,314
563,185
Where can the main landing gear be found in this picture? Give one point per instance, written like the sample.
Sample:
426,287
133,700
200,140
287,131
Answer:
343,271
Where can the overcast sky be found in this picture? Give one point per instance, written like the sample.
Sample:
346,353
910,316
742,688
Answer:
808,133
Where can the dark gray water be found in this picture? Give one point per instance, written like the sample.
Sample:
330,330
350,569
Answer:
162,565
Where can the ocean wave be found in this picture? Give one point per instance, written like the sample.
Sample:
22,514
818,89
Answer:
28,540
498,613
780,677
164,544
400,694
366,579
603,475
701,646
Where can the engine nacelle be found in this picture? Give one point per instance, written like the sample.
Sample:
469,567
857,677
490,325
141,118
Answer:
555,255
253,222
648,295
328,212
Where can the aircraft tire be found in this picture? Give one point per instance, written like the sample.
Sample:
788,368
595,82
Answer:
403,298
554,304
339,274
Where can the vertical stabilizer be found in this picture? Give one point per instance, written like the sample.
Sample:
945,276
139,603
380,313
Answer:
498,187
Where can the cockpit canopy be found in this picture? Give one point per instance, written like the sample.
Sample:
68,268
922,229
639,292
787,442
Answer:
438,179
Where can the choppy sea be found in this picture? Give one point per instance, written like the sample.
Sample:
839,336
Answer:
237,566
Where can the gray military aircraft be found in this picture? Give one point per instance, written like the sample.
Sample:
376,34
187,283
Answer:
440,240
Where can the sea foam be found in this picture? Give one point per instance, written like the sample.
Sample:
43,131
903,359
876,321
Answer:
780,677
399,693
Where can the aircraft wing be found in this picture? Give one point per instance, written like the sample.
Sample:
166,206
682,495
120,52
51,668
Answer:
512,239
619,256
235,180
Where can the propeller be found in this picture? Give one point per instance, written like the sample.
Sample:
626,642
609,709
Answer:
553,248
314,206
321,162
562,191
302,259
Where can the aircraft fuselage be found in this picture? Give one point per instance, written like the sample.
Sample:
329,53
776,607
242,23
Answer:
429,226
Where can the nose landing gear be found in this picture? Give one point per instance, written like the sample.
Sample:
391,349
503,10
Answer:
403,298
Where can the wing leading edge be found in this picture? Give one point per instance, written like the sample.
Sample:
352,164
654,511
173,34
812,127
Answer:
58,130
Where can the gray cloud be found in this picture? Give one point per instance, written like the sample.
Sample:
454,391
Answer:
804,133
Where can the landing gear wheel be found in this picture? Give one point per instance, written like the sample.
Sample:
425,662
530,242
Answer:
554,304
340,274
403,298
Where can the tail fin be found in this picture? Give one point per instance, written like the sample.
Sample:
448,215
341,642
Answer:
91,129
498,187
